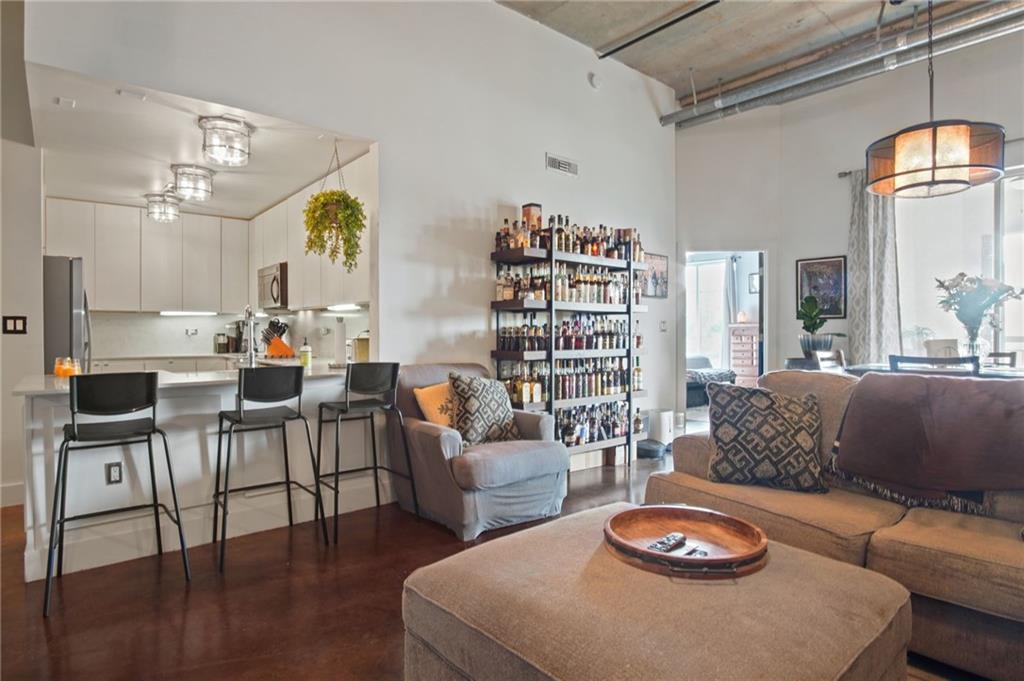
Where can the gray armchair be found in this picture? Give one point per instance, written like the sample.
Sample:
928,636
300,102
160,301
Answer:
480,487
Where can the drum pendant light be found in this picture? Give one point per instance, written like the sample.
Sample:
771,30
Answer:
937,157
192,183
163,207
225,140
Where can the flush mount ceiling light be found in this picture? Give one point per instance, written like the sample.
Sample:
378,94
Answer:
225,140
192,183
937,157
162,207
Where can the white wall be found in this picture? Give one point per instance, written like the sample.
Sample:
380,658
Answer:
766,179
22,294
464,99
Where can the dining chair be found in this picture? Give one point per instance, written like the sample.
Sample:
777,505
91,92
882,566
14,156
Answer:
1002,359
946,366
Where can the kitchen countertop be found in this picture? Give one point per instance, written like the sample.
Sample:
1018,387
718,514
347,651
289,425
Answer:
211,355
39,385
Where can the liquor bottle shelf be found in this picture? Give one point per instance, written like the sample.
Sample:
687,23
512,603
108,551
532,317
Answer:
604,444
563,306
521,256
597,399
541,355
591,308
519,305
530,406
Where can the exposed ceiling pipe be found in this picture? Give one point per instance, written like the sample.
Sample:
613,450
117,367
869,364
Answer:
646,32
840,78
862,52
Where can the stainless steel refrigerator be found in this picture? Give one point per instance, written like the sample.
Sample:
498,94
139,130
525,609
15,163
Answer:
67,331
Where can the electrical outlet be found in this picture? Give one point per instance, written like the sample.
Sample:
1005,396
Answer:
663,326
114,473
191,332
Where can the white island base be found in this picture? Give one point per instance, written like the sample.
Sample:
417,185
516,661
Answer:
187,411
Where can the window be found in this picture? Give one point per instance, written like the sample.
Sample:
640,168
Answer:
980,232
705,316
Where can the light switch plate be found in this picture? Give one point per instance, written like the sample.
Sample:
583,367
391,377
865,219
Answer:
15,325
114,473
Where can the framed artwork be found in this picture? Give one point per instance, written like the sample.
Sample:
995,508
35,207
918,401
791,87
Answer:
753,283
825,279
654,280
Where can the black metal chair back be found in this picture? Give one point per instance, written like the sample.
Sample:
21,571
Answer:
269,384
1003,359
372,378
968,366
112,394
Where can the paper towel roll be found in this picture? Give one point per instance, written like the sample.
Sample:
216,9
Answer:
661,427
340,341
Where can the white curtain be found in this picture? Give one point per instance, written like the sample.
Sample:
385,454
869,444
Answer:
731,306
873,305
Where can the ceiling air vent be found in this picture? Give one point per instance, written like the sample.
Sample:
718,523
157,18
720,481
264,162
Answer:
562,165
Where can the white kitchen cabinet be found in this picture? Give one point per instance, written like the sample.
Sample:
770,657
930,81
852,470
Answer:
234,265
275,234
71,232
161,265
117,366
255,259
212,364
118,279
200,263
304,291
177,364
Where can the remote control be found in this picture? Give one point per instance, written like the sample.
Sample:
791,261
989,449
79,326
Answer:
668,543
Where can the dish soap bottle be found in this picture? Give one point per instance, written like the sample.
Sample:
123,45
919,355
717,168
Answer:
306,354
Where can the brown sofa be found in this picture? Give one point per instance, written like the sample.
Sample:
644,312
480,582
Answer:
965,573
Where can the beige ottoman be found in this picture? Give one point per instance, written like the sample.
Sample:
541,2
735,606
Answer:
552,603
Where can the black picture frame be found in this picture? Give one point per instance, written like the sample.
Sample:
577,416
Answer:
654,279
825,279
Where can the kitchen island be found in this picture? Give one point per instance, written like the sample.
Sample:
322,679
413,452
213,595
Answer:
187,411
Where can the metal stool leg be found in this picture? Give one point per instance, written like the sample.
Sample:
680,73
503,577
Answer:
337,473
63,500
316,481
156,500
319,447
288,471
226,495
54,522
216,484
177,510
376,465
408,463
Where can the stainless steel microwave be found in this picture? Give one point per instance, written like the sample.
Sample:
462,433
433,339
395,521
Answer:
272,283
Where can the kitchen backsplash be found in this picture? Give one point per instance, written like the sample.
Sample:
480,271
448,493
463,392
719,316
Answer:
134,334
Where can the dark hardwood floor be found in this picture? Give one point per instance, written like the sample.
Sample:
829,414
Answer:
286,608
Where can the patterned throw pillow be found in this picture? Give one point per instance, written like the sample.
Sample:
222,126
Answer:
437,403
483,411
765,438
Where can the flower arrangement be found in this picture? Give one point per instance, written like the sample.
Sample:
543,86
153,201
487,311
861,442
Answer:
334,223
972,300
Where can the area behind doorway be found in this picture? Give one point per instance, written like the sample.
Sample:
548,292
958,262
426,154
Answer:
724,324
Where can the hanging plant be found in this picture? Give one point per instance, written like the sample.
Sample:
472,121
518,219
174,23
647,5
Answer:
335,221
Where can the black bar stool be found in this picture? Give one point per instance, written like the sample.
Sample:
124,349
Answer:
109,395
266,385
378,381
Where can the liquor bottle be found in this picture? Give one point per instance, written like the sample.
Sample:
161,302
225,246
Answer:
638,376
638,423
638,337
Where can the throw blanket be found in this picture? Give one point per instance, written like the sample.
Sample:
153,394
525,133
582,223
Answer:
705,376
928,435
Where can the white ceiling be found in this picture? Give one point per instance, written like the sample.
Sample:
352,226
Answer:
114,147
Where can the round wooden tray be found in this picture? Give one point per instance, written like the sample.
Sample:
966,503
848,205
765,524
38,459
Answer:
718,546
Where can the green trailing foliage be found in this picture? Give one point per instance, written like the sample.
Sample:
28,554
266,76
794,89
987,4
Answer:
335,221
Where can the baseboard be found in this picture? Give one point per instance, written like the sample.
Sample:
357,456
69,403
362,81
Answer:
116,539
12,494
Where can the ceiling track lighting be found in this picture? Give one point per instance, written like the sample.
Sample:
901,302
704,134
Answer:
192,182
163,207
226,140
937,157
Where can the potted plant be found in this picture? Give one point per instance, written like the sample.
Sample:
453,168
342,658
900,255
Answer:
972,300
335,221
810,313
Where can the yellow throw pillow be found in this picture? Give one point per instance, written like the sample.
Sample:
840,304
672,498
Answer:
436,403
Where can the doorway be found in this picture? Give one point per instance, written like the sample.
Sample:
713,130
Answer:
724,335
